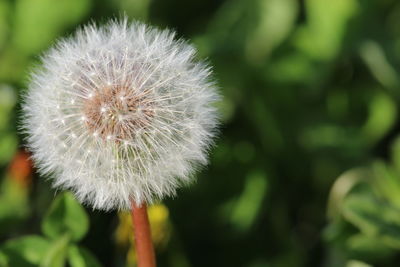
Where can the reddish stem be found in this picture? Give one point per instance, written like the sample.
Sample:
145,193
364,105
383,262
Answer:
144,246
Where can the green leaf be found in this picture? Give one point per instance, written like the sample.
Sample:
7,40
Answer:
356,263
276,17
327,22
8,146
381,118
4,21
250,202
66,215
386,183
57,254
14,206
376,60
81,257
369,248
374,218
25,251
3,260
342,187
38,23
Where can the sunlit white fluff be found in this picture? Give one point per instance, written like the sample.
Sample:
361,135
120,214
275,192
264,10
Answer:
120,113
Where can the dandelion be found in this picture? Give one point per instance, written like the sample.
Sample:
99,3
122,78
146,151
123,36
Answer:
120,114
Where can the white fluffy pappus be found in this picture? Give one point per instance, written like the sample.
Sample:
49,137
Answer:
120,113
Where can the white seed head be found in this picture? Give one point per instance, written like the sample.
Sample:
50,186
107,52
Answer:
120,113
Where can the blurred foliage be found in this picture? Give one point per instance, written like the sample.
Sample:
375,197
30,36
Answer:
306,171
64,224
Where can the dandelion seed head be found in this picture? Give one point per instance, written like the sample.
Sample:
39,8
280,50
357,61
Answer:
125,111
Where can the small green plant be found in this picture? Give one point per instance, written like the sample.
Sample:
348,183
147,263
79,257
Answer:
64,225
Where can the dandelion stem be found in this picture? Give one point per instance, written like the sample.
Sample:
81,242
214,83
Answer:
144,246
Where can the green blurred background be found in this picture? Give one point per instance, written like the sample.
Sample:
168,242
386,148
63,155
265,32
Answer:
306,171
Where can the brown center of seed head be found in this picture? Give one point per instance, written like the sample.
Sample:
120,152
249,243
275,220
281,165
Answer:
116,113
